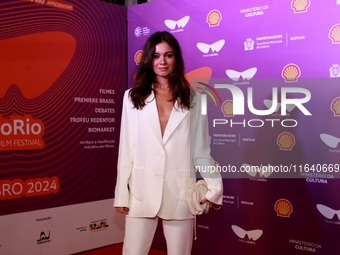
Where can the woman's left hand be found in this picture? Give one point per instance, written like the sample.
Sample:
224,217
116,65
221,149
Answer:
211,204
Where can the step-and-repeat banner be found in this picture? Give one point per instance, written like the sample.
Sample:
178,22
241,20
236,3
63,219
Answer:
270,74
62,77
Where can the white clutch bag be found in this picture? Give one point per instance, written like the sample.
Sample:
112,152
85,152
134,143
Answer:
195,194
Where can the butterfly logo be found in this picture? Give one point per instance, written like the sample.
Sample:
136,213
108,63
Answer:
263,171
246,75
330,140
327,211
215,47
252,234
181,23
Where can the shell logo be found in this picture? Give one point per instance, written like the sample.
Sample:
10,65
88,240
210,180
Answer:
286,141
300,6
283,208
214,18
138,56
291,73
334,34
335,106
227,108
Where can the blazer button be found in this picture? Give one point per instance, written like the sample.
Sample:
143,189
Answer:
161,176
161,154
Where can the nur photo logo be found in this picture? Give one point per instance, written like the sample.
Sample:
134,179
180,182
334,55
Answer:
243,103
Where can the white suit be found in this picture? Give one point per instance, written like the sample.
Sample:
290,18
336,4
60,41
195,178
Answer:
154,172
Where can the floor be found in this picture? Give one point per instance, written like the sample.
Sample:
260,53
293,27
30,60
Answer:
116,249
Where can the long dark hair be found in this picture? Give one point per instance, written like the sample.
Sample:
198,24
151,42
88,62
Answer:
145,76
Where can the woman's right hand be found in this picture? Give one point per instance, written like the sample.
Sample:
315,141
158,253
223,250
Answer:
123,210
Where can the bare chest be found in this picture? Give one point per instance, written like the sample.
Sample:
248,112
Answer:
164,107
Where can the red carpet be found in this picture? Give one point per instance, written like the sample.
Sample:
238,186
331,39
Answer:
116,249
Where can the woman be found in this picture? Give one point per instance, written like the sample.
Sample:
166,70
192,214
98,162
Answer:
158,150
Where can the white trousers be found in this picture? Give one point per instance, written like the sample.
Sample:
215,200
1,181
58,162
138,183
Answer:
139,233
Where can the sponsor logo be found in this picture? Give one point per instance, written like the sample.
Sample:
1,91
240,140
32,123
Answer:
317,180
138,31
334,71
300,6
254,11
181,23
141,31
214,18
203,226
44,238
291,73
283,208
329,140
265,42
328,212
44,218
228,199
227,108
246,75
286,141
335,106
253,170
305,246
138,57
252,235
297,38
81,229
249,44
98,225
214,47
334,34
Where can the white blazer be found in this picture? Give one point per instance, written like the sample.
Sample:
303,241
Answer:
154,172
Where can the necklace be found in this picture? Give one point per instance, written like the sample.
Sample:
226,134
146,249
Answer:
163,87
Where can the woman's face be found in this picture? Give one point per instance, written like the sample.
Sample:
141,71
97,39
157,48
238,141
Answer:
163,60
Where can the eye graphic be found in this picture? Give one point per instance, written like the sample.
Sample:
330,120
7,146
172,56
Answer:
327,211
180,23
252,234
246,75
330,140
253,170
215,47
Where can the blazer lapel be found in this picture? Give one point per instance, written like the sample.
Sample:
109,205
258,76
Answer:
150,116
176,117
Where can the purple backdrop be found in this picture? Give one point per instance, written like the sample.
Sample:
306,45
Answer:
261,45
